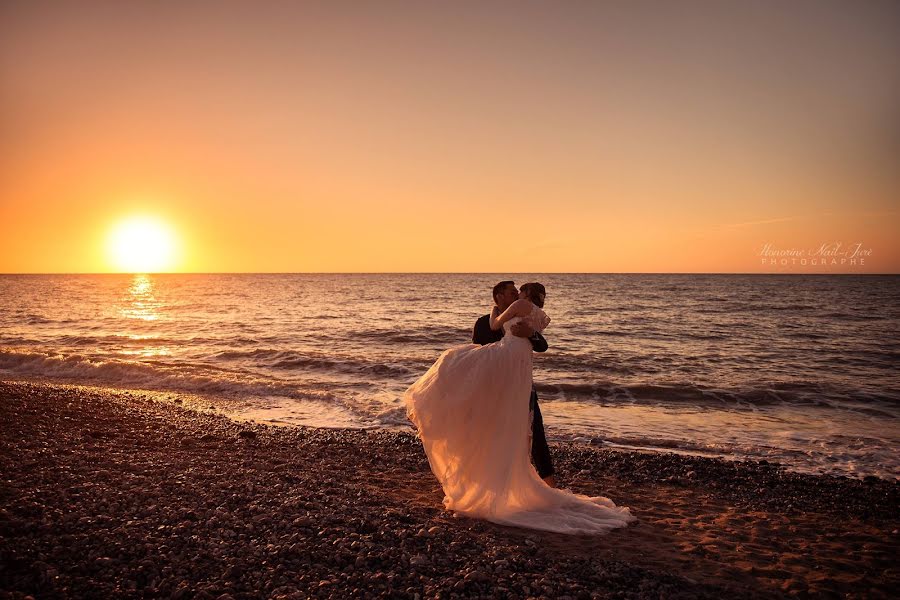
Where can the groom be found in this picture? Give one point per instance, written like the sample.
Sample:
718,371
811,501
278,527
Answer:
505,293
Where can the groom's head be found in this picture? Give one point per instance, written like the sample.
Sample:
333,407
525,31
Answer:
505,293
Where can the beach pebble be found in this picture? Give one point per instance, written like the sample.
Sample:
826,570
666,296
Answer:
149,516
476,576
419,560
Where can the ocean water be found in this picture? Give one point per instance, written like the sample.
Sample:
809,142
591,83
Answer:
800,370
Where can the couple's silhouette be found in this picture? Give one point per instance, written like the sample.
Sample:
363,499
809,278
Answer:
471,414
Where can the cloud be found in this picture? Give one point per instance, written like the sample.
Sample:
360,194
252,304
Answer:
763,222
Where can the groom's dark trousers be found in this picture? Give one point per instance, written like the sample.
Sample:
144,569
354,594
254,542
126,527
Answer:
540,452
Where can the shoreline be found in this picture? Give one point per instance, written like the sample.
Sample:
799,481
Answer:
233,409
133,494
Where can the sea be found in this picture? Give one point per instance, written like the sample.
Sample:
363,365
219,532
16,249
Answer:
800,370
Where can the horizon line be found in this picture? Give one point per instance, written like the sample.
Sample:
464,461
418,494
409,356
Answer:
439,273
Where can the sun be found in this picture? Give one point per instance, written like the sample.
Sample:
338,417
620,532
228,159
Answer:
142,244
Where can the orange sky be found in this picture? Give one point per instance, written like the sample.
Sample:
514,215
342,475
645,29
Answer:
509,137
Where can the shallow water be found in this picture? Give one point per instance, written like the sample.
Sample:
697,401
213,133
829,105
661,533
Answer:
795,369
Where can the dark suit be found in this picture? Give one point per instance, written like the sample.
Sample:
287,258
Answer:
540,452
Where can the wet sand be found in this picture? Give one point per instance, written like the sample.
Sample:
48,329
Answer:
114,493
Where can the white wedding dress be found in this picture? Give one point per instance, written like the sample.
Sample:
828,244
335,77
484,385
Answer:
471,410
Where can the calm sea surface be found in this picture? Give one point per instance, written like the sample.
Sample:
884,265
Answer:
801,370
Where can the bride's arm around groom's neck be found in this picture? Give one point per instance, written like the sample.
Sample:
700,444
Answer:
519,308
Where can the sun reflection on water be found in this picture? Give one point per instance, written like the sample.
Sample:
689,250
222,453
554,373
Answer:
140,304
140,301
147,352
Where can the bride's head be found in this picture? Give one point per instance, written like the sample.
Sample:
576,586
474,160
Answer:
534,292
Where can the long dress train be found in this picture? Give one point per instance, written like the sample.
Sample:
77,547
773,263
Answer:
471,410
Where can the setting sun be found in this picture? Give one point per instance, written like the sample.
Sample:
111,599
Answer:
142,245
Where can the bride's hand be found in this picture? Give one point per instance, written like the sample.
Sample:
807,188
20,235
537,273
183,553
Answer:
492,320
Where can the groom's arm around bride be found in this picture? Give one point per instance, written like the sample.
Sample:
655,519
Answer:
483,334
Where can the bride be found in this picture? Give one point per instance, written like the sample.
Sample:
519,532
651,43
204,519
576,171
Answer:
471,412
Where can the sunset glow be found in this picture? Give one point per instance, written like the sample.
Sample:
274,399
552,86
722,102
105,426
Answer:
142,245
419,137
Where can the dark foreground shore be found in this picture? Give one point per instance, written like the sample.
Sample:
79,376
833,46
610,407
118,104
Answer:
108,493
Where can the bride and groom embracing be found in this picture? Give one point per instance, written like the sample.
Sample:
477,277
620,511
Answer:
473,414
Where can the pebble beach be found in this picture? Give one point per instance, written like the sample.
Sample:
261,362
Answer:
137,494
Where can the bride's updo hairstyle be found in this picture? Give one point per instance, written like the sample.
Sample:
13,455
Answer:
535,292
